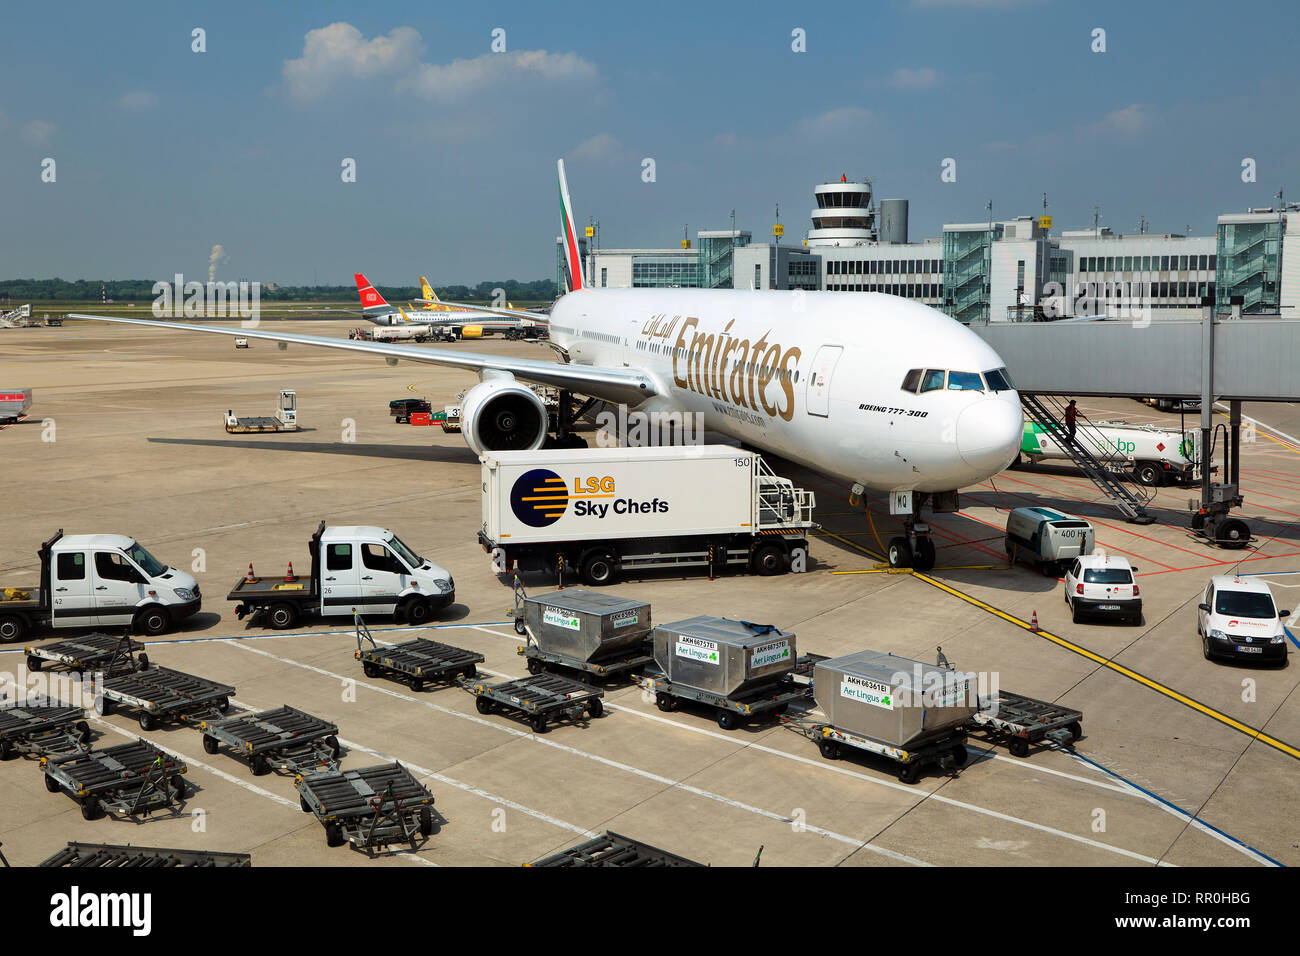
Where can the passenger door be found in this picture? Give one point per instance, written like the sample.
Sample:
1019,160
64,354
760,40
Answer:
117,589
339,590
383,576
71,596
819,379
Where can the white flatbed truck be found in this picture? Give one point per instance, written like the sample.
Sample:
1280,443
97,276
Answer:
285,420
600,512
98,580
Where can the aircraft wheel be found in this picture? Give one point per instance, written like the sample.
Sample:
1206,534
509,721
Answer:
924,558
900,553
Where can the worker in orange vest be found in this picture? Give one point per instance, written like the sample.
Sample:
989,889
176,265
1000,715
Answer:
1071,418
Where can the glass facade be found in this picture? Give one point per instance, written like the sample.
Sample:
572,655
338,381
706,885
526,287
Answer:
1249,265
666,272
966,255
716,267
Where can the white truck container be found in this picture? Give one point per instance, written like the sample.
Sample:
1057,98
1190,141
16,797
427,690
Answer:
14,404
1047,538
602,511
1154,456
98,580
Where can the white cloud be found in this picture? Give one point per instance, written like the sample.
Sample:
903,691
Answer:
923,78
138,100
842,120
39,133
1129,121
600,146
340,52
462,77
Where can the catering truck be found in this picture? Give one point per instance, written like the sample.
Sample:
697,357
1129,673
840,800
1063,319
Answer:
98,580
602,511
1153,456
367,569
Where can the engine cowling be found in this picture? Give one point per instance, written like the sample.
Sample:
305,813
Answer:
502,415
471,332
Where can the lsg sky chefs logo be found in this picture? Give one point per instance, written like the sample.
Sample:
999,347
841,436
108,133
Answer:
75,909
540,498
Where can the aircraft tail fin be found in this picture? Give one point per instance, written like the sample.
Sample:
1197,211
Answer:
370,297
426,290
571,257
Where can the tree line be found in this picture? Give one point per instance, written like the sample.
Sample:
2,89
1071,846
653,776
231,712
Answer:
141,290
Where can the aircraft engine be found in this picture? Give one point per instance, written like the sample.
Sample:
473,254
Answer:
502,415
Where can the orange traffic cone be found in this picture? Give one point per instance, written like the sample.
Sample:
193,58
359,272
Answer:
289,576
249,578
1033,621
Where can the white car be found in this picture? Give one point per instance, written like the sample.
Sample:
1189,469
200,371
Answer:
1238,619
1103,585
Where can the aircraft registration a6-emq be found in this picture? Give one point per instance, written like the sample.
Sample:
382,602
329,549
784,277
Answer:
872,389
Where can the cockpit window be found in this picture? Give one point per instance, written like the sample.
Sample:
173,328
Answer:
912,381
932,379
965,381
999,380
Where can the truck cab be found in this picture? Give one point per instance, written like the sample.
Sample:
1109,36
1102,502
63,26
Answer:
1238,618
102,580
373,570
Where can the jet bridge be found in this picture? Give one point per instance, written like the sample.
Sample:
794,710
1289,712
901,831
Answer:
1229,359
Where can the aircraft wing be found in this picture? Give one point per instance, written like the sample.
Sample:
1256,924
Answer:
625,385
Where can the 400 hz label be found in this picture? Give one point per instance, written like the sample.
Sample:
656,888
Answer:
867,691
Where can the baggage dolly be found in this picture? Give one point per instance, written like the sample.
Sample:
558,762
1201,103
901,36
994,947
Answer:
1021,722
283,739
620,666
947,750
539,699
161,694
42,729
370,807
129,779
93,652
415,662
731,712
613,849
109,856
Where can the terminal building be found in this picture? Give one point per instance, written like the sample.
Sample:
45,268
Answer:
999,271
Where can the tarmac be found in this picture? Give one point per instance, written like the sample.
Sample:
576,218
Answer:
1183,761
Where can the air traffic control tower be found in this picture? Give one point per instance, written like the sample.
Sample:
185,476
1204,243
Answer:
844,215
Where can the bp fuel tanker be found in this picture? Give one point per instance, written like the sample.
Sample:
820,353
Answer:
1154,456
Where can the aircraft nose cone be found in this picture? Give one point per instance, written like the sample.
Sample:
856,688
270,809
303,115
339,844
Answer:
989,434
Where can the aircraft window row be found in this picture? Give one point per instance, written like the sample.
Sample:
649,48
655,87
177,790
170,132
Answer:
602,336
919,380
766,371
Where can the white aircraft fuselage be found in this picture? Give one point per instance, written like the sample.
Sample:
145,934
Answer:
815,377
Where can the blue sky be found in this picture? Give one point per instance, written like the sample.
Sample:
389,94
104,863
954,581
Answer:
162,153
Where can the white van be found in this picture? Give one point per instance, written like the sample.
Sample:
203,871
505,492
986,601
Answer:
1047,538
1238,619
1103,585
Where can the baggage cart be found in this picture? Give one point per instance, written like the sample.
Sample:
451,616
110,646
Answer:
946,749
613,849
732,711
110,856
93,652
415,662
540,699
282,739
42,729
160,694
598,634
128,780
1021,722
370,807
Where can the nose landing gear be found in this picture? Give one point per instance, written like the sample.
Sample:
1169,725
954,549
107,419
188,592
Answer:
914,549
